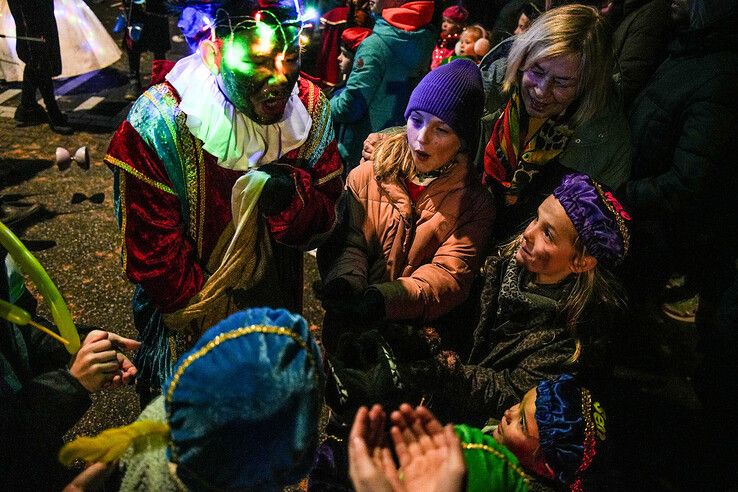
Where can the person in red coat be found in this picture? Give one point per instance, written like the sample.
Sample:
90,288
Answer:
224,174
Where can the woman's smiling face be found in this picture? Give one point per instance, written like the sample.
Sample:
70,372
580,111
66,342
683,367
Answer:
433,143
550,85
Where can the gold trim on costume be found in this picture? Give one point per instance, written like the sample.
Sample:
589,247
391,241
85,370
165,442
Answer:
123,219
138,174
330,176
489,449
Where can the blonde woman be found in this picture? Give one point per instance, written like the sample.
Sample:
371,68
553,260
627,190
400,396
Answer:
553,110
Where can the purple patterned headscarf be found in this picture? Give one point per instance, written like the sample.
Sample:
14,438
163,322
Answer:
597,215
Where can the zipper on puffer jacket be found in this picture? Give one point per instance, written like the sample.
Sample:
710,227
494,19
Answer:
408,223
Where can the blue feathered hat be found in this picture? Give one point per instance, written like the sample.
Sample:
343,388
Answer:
243,405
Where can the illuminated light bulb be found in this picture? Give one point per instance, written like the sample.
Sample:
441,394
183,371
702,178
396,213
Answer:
309,14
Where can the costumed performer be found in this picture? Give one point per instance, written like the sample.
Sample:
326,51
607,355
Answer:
240,412
203,232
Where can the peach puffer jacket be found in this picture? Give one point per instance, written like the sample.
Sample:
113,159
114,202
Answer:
422,257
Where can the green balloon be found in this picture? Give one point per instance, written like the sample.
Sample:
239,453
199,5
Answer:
31,267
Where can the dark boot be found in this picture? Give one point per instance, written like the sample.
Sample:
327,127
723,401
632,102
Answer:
60,124
134,88
30,115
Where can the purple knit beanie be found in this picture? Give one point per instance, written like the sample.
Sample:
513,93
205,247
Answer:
598,217
453,93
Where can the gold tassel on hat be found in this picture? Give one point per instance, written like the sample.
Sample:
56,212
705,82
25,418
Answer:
110,444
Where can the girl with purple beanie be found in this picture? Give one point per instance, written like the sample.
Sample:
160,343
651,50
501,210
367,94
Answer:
417,218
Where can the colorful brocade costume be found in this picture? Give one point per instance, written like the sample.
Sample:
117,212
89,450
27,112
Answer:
173,204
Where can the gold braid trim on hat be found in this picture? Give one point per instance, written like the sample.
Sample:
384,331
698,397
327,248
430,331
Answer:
493,451
624,233
223,337
589,440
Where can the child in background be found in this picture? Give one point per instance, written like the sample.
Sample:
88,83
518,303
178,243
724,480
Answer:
558,432
454,20
351,38
473,43
528,13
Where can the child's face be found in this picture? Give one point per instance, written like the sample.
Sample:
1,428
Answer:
433,143
518,430
523,24
547,246
467,40
449,27
344,63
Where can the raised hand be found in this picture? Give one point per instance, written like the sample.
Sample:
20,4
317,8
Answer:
99,364
430,454
370,462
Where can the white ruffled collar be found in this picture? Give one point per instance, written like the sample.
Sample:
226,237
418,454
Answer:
238,142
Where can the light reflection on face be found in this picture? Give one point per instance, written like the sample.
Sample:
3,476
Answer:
550,85
433,143
259,70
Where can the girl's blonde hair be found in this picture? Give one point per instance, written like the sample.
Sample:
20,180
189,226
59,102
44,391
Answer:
392,157
568,30
597,286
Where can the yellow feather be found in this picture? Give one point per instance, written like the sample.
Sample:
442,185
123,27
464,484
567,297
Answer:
110,444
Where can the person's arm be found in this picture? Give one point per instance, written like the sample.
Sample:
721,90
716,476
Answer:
317,183
366,75
352,256
156,252
479,392
437,287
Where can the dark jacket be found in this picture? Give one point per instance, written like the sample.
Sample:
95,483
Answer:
639,44
39,402
683,129
35,18
520,339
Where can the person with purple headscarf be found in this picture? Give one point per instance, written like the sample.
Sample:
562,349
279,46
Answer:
546,305
546,308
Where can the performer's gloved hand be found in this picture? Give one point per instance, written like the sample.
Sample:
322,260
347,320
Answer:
279,190
364,308
335,292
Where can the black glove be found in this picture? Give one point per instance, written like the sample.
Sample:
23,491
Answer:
365,308
279,190
338,289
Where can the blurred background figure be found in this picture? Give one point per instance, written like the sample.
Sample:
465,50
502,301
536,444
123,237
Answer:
147,30
34,52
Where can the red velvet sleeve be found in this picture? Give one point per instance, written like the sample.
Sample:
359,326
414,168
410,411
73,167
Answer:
157,253
312,214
